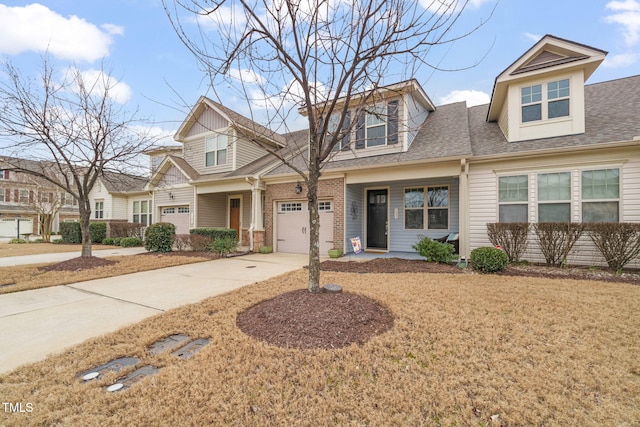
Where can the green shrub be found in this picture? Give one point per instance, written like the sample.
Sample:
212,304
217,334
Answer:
512,237
109,241
159,237
266,249
39,240
224,245
117,240
97,231
215,233
435,251
130,242
488,259
70,232
17,241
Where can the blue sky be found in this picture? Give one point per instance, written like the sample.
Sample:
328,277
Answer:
139,47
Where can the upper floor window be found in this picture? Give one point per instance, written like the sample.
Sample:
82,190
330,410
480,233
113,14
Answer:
216,150
23,196
4,174
538,104
378,126
99,211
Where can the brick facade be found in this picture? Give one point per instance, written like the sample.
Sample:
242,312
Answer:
327,189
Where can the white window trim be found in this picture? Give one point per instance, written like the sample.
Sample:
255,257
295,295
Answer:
544,102
524,202
99,209
229,160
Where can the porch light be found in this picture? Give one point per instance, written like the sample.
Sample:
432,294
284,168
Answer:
298,188
170,195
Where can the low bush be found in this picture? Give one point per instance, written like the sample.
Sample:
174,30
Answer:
98,231
17,241
224,245
511,237
109,241
199,243
265,249
130,242
159,237
556,239
126,229
70,232
488,259
215,233
182,242
618,242
435,251
57,241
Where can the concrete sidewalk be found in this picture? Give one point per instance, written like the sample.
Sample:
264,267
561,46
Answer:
63,256
38,322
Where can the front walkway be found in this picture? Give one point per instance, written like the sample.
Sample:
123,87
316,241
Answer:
37,322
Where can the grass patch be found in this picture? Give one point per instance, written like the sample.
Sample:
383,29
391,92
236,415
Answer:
33,276
464,350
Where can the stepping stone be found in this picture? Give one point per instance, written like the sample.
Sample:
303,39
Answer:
332,289
115,365
168,343
134,377
190,349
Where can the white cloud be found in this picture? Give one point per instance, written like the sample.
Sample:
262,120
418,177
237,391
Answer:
472,97
628,16
621,60
442,7
533,37
97,82
246,76
35,27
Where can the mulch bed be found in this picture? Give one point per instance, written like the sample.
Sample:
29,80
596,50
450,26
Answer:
193,254
305,320
77,264
389,265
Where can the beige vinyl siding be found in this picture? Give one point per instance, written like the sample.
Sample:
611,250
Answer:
119,207
181,196
173,176
207,122
212,210
246,210
246,152
194,154
483,203
503,120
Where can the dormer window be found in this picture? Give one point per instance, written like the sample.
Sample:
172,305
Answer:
551,104
216,150
378,126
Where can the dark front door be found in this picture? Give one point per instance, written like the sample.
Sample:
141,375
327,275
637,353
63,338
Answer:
377,219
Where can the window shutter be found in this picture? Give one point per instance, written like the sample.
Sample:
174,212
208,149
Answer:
30,196
346,139
360,132
16,195
6,174
7,195
392,122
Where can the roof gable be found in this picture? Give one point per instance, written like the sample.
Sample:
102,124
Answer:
550,53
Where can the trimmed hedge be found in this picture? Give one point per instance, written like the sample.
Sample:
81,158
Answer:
215,233
126,229
556,239
488,259
435,251
159,237
511,237
130,242
70,232
618,242
98,231
224,245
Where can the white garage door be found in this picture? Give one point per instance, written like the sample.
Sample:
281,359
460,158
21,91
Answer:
292,225
178,216
9,227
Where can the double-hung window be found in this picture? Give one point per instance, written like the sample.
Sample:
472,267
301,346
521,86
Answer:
216,150
99,210
142,212
414,208
601,195
438,207
547,101
554,197
513,193
434,209
376,130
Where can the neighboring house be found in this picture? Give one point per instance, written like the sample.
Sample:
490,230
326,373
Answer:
24,200
120,197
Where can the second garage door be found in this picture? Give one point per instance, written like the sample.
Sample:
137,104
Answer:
178,216
292,223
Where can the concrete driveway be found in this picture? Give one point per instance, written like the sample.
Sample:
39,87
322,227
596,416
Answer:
38,322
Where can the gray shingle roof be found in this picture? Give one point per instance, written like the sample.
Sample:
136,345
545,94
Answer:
612,113
121,183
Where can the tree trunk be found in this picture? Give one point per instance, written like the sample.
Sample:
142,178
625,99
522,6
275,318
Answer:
85,216
314,234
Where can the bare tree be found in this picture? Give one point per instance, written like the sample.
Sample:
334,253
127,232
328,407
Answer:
67,129
47,203
324,59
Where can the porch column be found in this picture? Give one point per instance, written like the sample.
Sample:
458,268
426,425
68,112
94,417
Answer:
464,209
257,223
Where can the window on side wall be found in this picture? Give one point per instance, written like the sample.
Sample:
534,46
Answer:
513,194
554,197
99,209
601,195
216,150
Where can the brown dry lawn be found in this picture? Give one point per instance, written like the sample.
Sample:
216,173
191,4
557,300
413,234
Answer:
13,249
31,276
464,350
